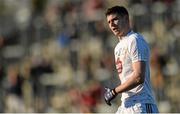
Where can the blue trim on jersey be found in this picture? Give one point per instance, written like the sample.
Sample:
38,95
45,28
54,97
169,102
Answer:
129,33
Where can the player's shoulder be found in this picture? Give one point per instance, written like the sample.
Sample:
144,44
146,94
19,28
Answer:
134,37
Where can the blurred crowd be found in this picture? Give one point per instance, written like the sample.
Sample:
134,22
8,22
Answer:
57,55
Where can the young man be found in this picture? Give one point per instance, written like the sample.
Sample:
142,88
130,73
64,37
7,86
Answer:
132,64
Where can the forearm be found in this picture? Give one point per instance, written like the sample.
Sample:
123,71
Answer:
134,80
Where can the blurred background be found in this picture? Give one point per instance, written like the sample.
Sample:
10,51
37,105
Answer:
57,55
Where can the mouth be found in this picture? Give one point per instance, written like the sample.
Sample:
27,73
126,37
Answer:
115,29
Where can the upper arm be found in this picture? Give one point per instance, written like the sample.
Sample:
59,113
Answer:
139,68
139,52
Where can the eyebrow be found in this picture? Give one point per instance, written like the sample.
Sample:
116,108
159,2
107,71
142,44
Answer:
115,18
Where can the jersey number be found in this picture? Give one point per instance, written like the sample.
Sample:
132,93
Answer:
119,65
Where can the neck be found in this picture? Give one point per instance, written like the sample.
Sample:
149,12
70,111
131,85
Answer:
126,31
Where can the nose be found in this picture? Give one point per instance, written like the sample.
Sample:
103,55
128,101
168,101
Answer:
112,24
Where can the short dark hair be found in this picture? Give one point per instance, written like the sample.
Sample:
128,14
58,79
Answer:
120,10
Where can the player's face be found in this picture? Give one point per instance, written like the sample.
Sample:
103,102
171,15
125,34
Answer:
116,24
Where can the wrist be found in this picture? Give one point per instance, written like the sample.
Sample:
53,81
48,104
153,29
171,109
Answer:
114,92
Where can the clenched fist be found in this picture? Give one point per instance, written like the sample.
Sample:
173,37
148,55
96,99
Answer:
109,95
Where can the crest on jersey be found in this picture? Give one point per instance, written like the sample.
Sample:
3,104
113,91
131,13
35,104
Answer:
121,51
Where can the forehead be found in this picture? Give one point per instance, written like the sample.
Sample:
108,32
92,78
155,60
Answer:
112,16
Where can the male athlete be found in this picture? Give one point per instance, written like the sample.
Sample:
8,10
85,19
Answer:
132,64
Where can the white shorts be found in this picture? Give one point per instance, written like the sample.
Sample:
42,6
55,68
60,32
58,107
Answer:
137,108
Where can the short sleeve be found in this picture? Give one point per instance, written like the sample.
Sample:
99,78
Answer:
138,50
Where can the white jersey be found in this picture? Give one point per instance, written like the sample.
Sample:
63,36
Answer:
130,49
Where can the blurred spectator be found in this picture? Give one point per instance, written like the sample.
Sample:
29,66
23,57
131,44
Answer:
14,99
157,76
38,68
90,97
2,76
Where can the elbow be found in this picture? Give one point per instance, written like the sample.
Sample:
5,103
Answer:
140,79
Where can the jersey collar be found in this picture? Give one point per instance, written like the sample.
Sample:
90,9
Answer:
128,34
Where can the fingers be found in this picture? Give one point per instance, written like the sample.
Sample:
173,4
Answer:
107,89
108,102
106,97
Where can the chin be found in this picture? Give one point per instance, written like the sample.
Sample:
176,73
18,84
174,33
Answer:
117,34
120,34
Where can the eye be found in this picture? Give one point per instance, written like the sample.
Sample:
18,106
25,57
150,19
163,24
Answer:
116,21
113,20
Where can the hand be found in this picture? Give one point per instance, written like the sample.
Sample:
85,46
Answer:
109,95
